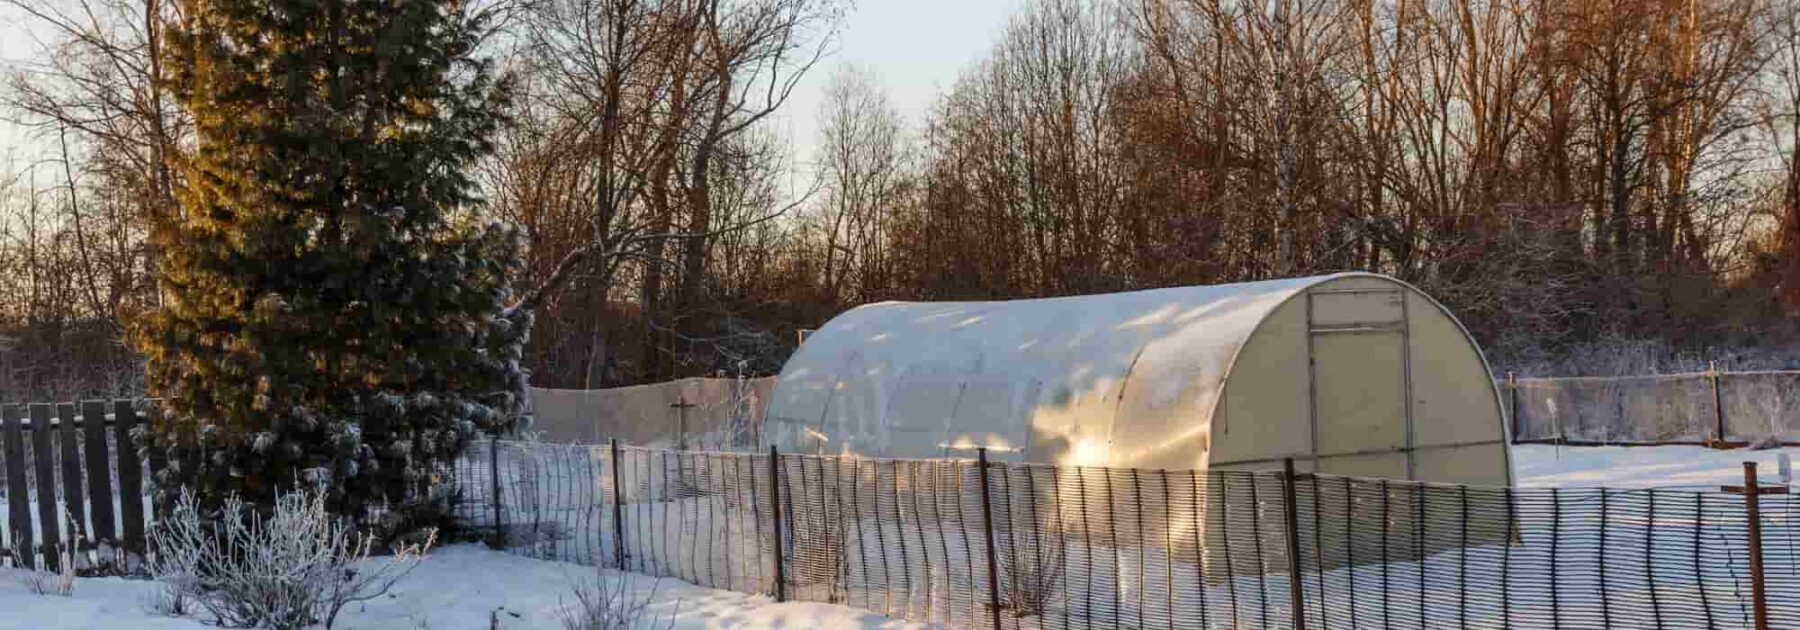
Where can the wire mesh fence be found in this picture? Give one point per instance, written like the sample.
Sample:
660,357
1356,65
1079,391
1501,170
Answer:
1079,547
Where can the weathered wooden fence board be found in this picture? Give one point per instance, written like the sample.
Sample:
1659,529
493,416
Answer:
84,448
99,474
131,475
74,492
18,498
44,466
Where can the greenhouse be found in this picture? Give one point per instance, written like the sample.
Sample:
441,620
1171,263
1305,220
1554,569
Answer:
1350,373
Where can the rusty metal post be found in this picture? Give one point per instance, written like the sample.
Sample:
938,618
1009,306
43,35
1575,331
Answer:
1512,403
618,507
775,499
1712,372
1753,522
987,527
494,474
1291,503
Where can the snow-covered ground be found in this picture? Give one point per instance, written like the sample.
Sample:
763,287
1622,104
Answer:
1688,467
467,586
459,587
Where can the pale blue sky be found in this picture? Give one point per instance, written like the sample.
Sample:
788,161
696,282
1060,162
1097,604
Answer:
914,48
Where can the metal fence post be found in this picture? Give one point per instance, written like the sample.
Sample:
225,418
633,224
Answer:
987,526
494,474
775,498
1291,503
618,507
1712,372
1512,403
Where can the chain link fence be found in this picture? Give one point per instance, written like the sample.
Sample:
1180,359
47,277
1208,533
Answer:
1038,546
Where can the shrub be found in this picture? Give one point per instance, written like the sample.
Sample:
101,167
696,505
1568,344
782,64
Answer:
611,602
69,563
1033,573
294,567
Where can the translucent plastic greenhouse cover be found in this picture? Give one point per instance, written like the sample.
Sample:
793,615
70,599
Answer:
915,379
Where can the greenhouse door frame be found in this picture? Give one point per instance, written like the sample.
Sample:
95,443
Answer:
1401,327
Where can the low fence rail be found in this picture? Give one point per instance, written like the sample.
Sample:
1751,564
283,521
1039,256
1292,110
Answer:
1007,545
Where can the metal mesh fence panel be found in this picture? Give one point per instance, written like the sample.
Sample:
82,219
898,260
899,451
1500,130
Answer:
1624,409
1413,555
1761,404
1082,547
1654,409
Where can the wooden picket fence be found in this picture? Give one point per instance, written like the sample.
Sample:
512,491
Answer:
69,442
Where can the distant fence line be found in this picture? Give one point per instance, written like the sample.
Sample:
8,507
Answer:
1695,407
686,413
1008,545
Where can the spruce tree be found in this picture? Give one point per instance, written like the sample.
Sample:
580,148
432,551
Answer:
333,310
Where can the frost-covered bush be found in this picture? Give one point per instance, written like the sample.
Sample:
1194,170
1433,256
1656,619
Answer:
612,602
40,582
295,566
58,582
69,562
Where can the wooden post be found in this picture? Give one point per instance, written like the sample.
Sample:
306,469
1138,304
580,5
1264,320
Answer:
1291,503
1753,531
618,507
681,406
775,497
1753,519
987,527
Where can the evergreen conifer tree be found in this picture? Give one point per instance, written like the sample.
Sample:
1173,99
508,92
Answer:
333,309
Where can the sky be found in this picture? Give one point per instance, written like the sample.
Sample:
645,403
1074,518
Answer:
915,49
16,45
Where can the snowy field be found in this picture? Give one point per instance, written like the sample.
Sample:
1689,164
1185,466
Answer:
469,586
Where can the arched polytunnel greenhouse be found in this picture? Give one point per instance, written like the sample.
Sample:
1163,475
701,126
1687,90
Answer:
1350,373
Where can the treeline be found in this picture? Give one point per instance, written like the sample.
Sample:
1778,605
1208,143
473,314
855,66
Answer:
1559,172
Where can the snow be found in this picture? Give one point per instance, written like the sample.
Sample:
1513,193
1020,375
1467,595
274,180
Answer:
459,586
465,586
1689,467
64,510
